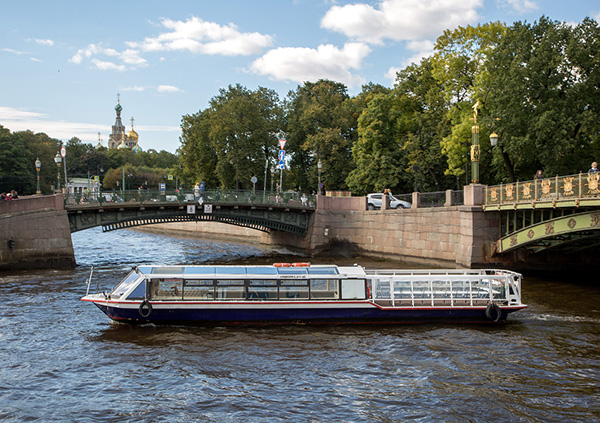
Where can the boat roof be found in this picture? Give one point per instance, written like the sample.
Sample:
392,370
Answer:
251,271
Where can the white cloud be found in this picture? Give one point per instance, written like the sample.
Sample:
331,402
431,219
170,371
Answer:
523,6
17,52
306,64
48,43
126,57
167,89
136,88
198,36
23,120
400,19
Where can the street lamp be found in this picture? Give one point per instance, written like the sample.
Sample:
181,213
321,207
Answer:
494,139
58,160
319,167
38,167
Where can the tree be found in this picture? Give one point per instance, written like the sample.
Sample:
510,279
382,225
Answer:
549,117
198,156
243,129
378,158
321,126
459,65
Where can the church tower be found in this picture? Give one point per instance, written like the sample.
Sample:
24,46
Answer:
118,129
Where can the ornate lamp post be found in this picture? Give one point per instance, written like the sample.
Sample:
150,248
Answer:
319,167
38,167
58,160
475,150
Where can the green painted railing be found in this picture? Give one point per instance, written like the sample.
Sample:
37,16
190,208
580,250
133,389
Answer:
246,197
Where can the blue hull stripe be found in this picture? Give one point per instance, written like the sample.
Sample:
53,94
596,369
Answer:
354,315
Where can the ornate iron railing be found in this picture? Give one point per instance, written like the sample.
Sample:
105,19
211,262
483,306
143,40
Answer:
549,190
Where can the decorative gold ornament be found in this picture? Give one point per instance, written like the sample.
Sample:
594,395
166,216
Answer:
526,190
509,191
568,186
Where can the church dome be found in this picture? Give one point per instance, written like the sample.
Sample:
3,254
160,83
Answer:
132,135
118,107
122,145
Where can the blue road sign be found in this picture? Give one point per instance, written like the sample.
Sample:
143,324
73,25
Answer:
281,165
281,155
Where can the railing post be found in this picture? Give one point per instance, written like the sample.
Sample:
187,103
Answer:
448,202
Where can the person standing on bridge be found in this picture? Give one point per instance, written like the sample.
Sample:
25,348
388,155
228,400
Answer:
197,191
594,168
202,189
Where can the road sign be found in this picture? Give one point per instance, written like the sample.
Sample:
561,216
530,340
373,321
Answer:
170,177
282,144
281,165
63,151
254,179
281,155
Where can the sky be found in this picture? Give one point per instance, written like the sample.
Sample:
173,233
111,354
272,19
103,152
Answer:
64,64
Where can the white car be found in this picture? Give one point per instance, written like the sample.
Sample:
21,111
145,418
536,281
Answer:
374,202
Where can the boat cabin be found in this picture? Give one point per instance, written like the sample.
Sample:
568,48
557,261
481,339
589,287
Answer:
242,283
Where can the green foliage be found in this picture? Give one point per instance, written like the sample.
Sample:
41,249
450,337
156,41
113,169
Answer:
321,125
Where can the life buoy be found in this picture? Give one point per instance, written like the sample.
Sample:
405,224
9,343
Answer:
493,312
148,311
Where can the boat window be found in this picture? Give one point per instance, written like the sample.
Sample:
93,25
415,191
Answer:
353,289
292,271
262,282
167,270
262,292
167,289
293,292
125,284
204,270
293,282
139,293
230,292
199,292
223,282
323,271
263,270
230,270
195,282
324,288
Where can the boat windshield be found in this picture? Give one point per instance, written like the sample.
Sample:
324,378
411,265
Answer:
131,279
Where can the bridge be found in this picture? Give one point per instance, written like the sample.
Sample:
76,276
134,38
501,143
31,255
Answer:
263,211
561,213
549,223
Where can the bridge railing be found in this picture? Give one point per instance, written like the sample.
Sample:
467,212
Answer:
258,198
558,188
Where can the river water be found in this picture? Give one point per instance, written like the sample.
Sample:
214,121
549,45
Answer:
64,361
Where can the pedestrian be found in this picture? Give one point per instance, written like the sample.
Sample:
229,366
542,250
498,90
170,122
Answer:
202,189
197,191
594,168
538,174
14,194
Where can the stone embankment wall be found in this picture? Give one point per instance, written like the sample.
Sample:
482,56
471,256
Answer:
34,233
455,236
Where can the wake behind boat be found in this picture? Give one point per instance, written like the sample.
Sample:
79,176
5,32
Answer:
300,293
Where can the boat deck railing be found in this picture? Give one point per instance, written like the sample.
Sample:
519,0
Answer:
454,288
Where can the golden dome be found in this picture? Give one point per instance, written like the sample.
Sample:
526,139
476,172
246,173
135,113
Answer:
132,134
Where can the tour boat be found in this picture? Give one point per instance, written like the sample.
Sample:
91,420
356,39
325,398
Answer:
301,293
